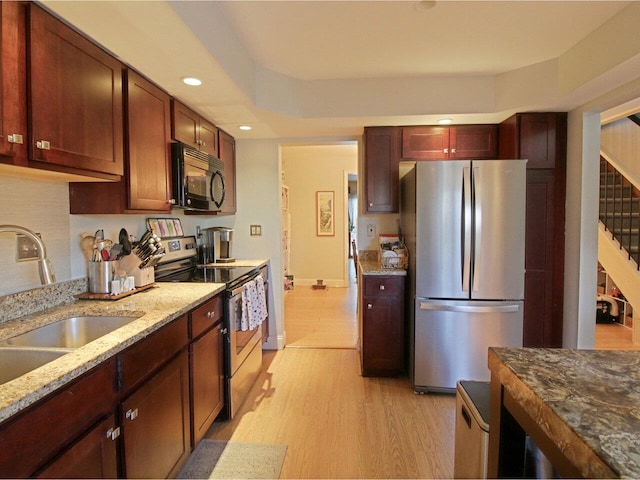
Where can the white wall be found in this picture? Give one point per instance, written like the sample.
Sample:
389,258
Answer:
308,169
581,242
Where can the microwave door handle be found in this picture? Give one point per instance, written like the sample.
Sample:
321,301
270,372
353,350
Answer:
211,189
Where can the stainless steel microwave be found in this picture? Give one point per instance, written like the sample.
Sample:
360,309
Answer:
197,178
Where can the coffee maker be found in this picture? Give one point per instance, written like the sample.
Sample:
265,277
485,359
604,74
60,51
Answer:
216,245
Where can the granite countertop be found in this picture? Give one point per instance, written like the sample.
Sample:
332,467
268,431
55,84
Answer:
370,265
155,307
586,401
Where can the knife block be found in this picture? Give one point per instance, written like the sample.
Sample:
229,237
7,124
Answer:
142,276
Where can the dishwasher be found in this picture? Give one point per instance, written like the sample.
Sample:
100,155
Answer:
472,429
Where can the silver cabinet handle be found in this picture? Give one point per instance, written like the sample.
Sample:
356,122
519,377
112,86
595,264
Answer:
223,331
15,138
369,306
446,150
453,150
43,145
113,433
211,314
203,143
381,287
131,414
371,204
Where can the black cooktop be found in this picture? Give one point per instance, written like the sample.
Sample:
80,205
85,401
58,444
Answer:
227,275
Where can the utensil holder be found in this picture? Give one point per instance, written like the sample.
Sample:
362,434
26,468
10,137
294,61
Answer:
100,276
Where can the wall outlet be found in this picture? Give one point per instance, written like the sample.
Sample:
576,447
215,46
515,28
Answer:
26,248
371,230
256,230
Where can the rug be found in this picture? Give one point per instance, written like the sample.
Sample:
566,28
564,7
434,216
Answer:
218,459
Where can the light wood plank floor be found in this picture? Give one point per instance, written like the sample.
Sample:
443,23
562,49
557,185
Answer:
336,423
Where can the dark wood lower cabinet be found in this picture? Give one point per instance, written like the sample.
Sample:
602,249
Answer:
382,325
207,380
93,456
155,423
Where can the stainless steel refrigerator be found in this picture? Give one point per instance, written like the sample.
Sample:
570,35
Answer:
463,222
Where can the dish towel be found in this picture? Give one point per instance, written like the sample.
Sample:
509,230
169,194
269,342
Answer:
254,304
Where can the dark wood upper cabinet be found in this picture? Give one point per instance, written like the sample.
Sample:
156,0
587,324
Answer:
227,149
382,169
541,138
148,156
74,98
192,129
13,84
146,185
450,143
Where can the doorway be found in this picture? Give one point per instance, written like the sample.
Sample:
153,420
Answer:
321,317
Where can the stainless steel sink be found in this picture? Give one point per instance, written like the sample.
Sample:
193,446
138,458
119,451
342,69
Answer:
15,362
73,332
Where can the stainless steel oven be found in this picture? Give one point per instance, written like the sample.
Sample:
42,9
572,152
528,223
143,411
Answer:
243,349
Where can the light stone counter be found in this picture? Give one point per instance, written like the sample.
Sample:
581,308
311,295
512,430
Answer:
585,402
155,307
370,265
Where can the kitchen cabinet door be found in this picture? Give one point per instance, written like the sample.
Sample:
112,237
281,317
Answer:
465,142
541,138
146,185
207,381
192,129
425,143
155,425
227,148
30,440
473,142
93,456
382,169
13,84
382,325
148,153
75,99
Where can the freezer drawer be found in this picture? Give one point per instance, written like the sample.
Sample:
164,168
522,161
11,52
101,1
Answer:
472,430
452,338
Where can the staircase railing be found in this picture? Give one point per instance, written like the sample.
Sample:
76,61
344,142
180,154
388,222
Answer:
620,209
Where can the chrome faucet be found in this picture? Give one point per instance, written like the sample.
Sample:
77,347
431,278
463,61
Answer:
45,267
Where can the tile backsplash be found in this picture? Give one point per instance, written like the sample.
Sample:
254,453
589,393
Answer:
41,206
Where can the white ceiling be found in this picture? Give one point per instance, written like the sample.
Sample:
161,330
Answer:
328,68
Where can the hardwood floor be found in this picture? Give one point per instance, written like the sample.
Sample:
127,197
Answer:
613,336
336,423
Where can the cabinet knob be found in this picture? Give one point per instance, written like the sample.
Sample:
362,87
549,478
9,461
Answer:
131,414
381,287
113,433
369,306
171,201
43,145
223,331
203,143
453,150
371,204
15,138
446,150
211,314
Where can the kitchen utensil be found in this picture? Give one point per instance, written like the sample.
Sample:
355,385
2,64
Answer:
116,252
124,240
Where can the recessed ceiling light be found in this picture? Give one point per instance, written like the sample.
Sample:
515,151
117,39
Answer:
245,127
445,121
193,81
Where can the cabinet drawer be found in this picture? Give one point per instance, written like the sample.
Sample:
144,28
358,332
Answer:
29,440
148,354
383,286
206,316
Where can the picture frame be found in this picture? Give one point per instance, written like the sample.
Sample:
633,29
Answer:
325,213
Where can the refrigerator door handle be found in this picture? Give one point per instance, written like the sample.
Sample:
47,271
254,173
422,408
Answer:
470,308
466,228
477,234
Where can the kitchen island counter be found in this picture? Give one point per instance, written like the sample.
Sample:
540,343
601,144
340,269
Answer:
581,407
154,308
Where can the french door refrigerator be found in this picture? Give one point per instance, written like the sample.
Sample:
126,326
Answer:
463,222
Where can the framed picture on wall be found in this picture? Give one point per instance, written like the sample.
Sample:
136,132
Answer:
325,213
